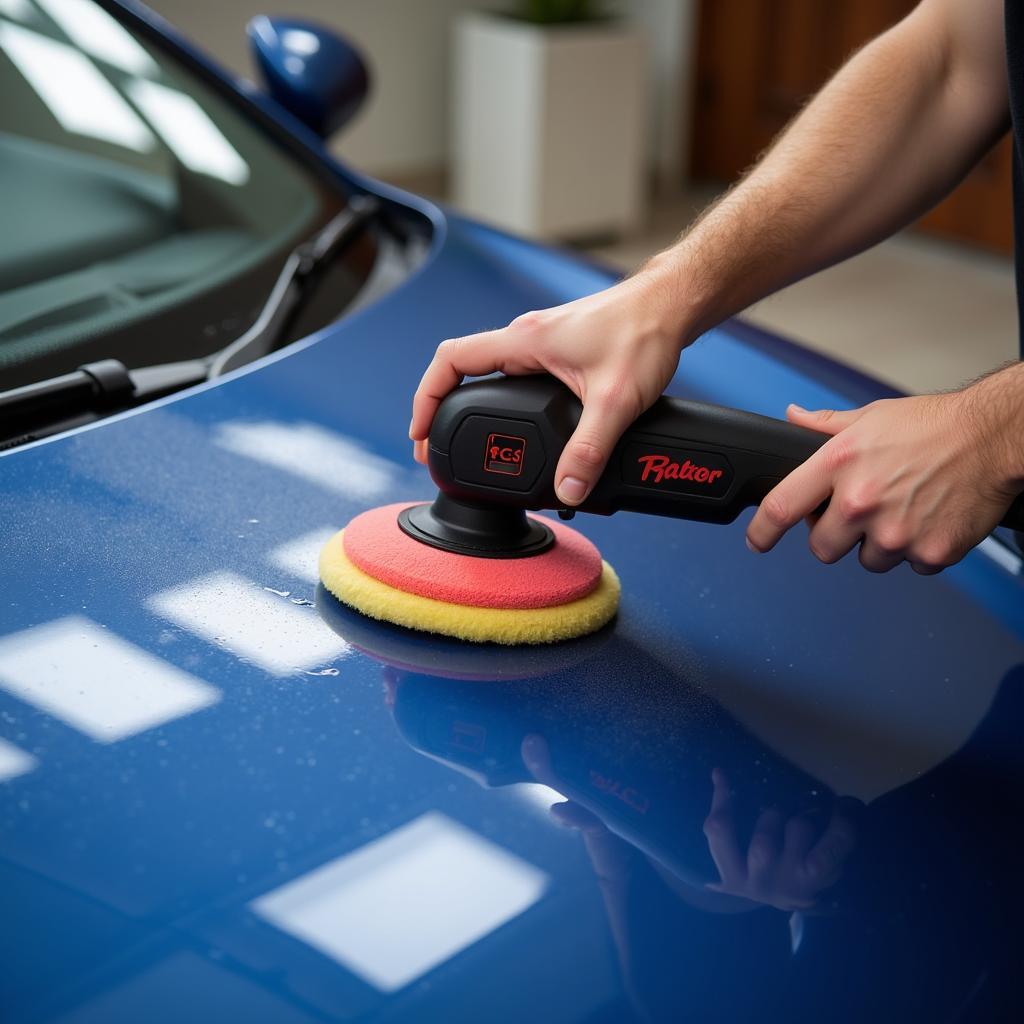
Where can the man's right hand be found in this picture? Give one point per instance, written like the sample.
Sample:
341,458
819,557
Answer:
617,350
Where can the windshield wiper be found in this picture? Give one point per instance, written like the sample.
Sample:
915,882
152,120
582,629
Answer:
297,278
101,388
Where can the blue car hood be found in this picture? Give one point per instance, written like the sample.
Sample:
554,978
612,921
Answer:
227,797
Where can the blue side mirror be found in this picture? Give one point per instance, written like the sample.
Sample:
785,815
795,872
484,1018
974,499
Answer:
311,71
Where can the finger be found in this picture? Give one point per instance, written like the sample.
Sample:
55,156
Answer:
720,832
572,815
765,844
926,570
392,680
586,454
473,356
721,793
877,558
833,536
419,451
827,421
537,758
824,861
798,839
797,496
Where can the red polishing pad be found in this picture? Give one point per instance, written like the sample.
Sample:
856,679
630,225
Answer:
568,570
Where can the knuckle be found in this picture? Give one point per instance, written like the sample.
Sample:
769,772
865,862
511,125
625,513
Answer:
715,825
837,453
857,504
449,347
587,452
775,510
890,540
934,553
530,321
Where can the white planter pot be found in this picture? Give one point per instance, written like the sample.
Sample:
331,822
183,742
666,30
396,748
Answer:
549,125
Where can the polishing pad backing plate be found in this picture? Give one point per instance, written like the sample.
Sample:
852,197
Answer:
569,570
517,625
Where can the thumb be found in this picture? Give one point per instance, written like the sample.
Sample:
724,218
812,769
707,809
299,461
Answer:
828,421
585,456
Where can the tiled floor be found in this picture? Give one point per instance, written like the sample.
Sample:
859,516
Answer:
916,312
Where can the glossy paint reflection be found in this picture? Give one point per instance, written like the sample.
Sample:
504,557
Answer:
95,681
260,625
396,908
312,453
703,837
14,761
299,557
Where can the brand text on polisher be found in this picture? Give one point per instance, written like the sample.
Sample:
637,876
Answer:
661,467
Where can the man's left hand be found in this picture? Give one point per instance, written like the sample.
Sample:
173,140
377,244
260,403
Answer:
920,479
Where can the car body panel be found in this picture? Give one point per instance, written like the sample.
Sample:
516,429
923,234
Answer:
203,728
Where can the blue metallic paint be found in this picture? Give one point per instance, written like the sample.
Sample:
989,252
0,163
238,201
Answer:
130,868
312,72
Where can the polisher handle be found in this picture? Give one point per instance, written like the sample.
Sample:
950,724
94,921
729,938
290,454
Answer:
497,442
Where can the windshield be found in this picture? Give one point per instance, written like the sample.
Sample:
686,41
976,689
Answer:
145,218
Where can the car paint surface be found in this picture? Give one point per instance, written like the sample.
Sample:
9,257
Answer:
229,798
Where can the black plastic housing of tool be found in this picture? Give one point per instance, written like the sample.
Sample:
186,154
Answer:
495,444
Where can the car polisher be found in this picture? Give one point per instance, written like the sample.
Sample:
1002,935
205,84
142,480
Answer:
471,564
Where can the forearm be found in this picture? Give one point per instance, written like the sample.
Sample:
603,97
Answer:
994,416
895,129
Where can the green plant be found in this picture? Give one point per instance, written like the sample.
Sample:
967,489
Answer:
557,12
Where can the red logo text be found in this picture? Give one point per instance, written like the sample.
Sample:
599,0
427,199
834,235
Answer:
661,467
505,454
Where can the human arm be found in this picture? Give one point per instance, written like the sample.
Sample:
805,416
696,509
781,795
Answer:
895,129
919,479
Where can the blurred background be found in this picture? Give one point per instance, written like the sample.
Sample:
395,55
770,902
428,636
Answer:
608,126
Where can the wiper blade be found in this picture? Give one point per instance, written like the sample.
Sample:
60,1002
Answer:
297,277
101,388
93,390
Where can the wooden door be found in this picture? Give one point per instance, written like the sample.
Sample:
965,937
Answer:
758,61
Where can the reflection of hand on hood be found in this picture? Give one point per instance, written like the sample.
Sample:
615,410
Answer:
788,862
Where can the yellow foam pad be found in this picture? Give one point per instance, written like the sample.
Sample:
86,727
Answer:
482,625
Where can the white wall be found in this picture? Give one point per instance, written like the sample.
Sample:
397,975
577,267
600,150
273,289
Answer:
404,128
671,31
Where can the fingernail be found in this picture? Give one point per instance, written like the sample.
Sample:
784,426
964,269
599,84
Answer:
411,438
750,547
571,490
797,408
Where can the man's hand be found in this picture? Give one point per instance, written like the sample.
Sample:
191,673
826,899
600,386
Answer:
919,479
893,131
787,863
617,350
